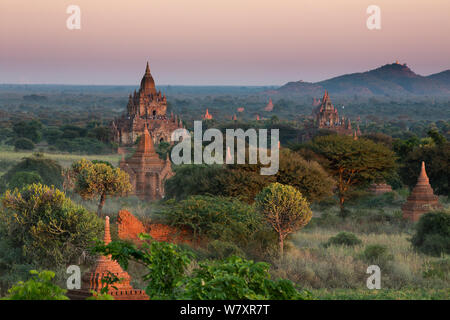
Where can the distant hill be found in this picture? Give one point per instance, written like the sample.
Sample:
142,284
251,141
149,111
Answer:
391,79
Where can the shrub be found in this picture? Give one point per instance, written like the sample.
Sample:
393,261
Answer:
39,287
45,226
237,279
438,269
49,170
377,254
24,178
218,218
23,144
432,235
344,239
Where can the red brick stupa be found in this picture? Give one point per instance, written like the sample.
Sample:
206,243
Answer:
422,198
207,115
92,281
380,188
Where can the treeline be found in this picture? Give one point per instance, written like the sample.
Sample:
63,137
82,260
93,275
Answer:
93,138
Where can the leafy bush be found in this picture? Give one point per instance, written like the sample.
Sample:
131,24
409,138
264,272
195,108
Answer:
218,218
39,287
49,170
24,178
377,254
45,226
432,235
23,144
344,239
237,279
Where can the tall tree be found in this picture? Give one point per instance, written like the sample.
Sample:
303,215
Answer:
353,163
285,209
99,180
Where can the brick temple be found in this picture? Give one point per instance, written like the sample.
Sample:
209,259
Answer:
327,117
146,108
147,170
421,199
92,281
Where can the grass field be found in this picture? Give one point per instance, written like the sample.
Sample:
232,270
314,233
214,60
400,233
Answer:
9,157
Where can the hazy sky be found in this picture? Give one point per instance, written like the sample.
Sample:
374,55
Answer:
206,42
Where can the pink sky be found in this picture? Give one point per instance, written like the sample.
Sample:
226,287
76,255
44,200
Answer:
209,42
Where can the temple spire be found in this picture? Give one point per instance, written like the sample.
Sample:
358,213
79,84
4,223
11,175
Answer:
107,236
147,69
145,143
423,178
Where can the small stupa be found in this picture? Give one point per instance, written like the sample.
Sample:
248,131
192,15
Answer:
92,281
207,115
421,199
269,106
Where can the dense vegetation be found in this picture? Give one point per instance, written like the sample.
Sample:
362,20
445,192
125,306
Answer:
316,209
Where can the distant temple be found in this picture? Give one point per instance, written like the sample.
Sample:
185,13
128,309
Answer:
327,117
207,115
145,109
421,199
146,170
269,106
92,281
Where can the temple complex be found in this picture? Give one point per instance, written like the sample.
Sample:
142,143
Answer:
104,267
145,109
146,170
327,117
421,199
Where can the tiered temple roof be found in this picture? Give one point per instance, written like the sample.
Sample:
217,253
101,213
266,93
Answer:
422,198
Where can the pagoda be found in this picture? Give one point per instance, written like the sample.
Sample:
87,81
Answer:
146,170
146,107
421,199
269,106
207,115
327,117
92,281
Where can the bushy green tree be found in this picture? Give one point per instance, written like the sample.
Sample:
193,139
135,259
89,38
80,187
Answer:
345,239
195,180
23,178
39,287
285,209
23,144
28,129
432,235
48,170
45,227
99,180
353,163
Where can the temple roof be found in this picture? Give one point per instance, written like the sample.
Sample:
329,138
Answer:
147,82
